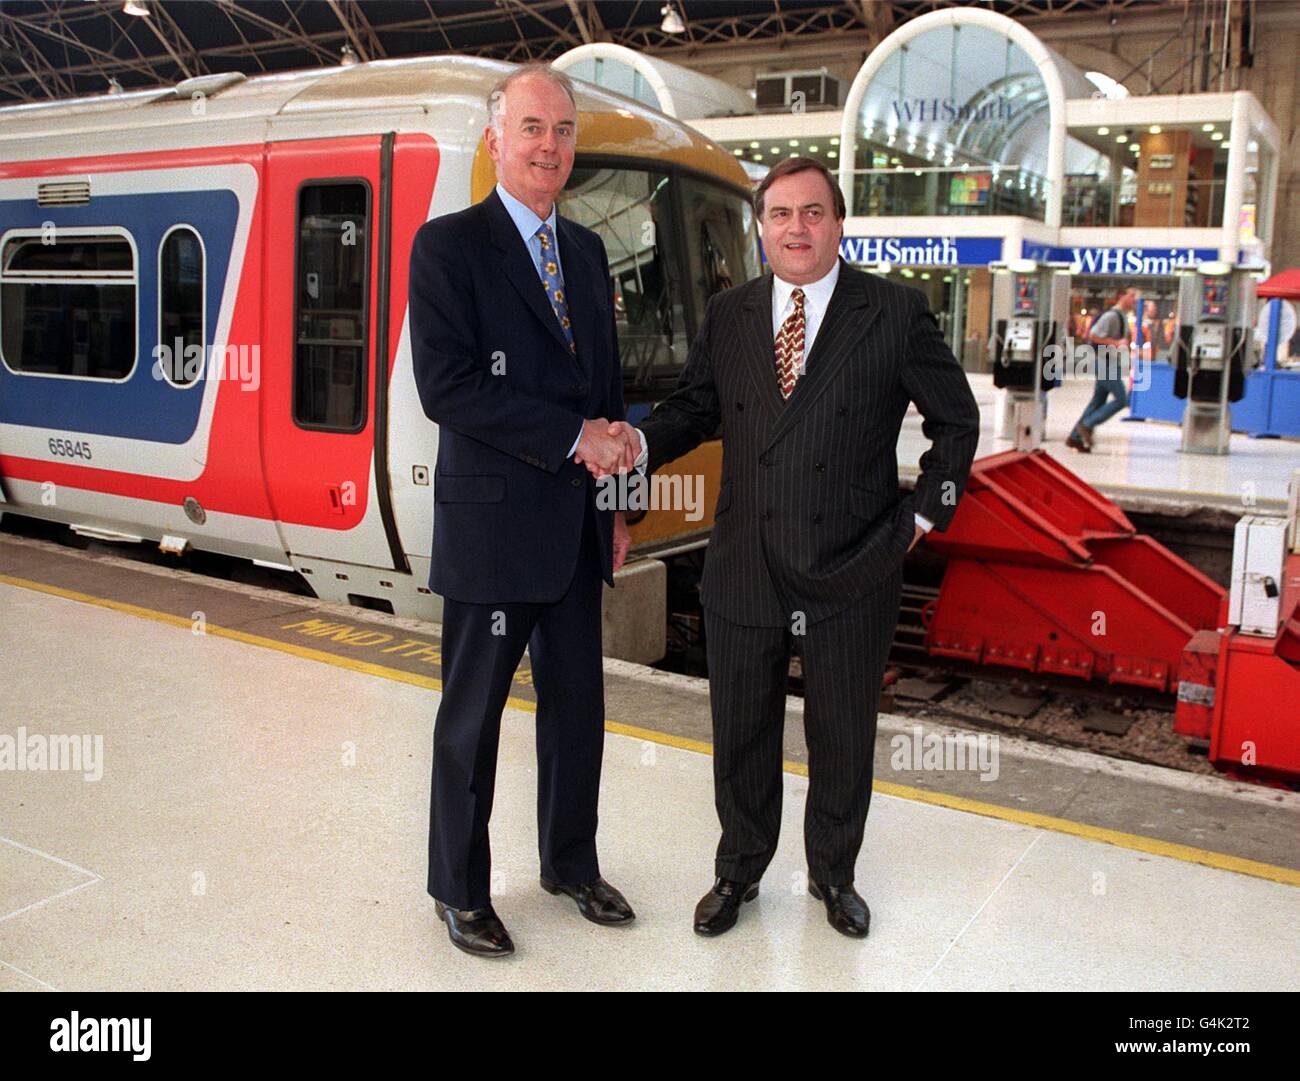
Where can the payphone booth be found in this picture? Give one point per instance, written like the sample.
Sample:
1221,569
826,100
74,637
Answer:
1031,302
1213,349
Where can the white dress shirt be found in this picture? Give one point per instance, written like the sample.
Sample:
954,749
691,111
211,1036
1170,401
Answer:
816,299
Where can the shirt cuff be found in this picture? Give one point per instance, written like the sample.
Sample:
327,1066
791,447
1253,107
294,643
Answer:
643,458
574,449
924,522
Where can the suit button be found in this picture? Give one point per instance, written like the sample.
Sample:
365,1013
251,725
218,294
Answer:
576,482
576,389
817,519
820,467
843,410
765,460
766,516
740,407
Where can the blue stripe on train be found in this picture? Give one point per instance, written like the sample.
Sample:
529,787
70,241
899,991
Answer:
141,407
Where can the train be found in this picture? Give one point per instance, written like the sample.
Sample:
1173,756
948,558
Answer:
204,341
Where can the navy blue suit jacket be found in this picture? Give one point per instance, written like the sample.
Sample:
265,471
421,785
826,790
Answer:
494,372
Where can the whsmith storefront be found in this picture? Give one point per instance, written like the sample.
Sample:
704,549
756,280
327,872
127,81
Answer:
965,140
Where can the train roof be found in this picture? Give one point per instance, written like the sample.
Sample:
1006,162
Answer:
236,108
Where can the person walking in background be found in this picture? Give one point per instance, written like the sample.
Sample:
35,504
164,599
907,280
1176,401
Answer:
1111,331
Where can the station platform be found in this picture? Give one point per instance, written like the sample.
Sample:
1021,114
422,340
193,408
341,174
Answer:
256,819
1135,463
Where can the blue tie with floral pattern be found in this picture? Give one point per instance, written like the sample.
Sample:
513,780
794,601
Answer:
555,284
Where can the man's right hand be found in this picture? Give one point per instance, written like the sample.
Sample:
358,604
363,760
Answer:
604,452
624,430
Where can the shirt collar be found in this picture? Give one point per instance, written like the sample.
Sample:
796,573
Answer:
524,217
817,293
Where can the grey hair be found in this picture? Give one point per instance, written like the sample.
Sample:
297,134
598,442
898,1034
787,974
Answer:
496,99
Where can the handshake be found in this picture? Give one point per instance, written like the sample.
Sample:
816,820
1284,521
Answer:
607,448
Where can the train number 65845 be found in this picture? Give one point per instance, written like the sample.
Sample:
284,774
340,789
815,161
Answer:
67,448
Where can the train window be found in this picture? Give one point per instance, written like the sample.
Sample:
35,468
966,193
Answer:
180,305
331,296
633,211
721,239
68,305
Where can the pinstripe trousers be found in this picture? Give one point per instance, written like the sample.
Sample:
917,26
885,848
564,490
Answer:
843,659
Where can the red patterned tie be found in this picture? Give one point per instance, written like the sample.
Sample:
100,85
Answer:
789,346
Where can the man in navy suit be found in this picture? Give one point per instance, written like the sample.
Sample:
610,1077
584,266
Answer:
516,359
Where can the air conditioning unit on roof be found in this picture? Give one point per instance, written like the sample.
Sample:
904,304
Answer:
784,91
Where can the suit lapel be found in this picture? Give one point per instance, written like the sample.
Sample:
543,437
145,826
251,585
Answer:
581,285
517,266
848,317
757,347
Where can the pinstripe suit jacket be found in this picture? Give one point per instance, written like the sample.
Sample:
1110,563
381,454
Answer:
809,517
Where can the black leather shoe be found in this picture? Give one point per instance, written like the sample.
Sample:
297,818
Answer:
598,901
719,909
845,910
475,930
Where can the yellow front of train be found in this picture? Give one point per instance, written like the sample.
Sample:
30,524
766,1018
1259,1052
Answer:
674,212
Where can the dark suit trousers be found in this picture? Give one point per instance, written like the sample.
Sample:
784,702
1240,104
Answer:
843,663
482,645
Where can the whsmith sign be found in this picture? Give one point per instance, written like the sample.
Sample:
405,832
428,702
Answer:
1151,262
938,251
948,109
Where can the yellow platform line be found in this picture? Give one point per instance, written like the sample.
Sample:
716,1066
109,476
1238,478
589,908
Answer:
1135,842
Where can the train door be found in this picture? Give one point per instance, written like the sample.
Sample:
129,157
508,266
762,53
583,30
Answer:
325,220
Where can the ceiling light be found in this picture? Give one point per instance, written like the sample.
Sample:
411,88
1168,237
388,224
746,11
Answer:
1121,138
1154,129
753,146
1216,135
1207,127
672,23
1103,131
835,140
135,7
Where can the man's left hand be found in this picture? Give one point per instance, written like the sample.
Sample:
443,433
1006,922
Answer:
622,539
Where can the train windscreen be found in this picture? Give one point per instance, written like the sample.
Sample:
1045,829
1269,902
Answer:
673,241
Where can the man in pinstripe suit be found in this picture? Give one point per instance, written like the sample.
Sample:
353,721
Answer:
809,372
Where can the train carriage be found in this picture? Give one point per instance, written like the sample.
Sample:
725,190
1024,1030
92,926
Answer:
203,318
